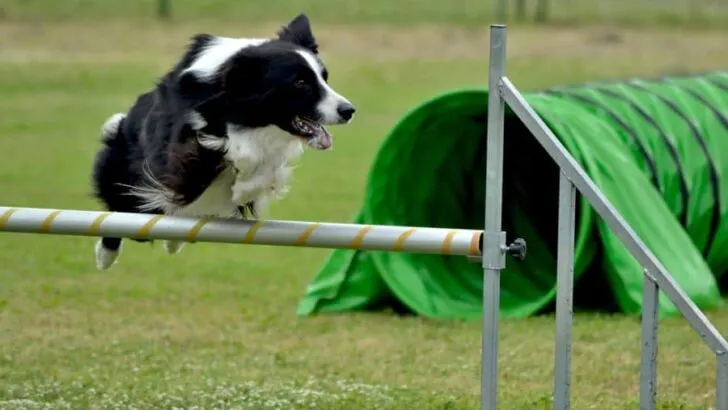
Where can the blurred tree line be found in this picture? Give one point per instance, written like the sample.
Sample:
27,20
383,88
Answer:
640,12
540,14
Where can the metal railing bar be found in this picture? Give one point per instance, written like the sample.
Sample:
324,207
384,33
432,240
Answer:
564,292
494,259
609,214
648,366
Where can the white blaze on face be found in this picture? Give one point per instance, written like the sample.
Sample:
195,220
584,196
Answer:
328,106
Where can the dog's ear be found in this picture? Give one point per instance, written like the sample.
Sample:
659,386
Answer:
298,31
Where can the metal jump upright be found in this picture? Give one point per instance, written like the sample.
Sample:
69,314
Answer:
572,178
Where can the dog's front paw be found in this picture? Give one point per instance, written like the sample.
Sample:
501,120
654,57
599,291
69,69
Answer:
238,191
279,187
243,191
105,257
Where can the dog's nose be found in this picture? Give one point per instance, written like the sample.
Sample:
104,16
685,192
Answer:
346,111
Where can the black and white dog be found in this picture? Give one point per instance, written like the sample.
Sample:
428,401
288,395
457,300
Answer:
217,134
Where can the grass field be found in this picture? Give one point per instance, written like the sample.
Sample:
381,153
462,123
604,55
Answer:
214,327
670,13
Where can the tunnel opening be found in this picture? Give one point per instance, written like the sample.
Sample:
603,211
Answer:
531,211
432,172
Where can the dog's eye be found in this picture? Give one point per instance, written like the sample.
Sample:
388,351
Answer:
300,84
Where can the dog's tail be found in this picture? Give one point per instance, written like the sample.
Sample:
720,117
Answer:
112,126
110,173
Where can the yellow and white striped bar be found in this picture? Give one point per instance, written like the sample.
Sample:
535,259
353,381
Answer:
463,242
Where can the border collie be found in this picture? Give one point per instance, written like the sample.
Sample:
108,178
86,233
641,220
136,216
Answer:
217,134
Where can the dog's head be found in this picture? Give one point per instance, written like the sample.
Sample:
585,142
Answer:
254,83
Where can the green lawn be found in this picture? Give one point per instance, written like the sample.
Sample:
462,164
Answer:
694,13
215,326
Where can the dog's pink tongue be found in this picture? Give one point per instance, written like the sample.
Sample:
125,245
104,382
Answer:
321,140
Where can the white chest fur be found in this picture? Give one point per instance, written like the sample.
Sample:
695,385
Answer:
261,167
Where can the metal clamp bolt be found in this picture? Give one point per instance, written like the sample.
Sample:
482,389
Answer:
517,249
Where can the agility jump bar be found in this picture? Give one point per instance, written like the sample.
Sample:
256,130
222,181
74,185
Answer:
442,241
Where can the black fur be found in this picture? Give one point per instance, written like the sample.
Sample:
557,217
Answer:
259,86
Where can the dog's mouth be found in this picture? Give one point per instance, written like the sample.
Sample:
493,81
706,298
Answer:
315,134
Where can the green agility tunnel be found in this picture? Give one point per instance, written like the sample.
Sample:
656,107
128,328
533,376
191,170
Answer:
657,148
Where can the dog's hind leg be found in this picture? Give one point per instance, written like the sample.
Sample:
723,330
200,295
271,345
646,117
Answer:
110,171
107,252
172,247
